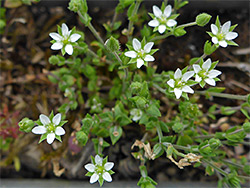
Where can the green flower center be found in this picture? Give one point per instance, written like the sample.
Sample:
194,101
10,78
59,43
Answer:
179,84
220,36
100,169
203,73
51,127
141,53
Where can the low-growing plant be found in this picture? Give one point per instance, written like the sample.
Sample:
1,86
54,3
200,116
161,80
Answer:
123,88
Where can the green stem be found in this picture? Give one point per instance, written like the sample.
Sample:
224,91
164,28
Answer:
159,132
232,163
131,23
204,136
121,63
186,25
202,57
159,88
114,19
161,36
96,56
224,95
215,167
100,143
244,177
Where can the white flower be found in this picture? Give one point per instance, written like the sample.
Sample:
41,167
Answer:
100,168
161,19
63,41
141,55
179,83
205,73
136,114
222,35
50,128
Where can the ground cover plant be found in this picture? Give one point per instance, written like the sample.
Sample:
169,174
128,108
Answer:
115,85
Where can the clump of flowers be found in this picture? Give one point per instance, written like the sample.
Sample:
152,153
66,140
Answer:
205,73
162,19
180,83
222,35
64,39
99,170
49,127
136,114
141,53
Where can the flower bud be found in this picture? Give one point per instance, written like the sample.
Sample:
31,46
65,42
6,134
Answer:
74,5
82,138
26,125
112,44
202,19
246,127
54,60
214,143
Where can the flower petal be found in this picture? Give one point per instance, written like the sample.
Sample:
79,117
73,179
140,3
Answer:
149,58
108,166
69,49
171,83
57,118
171,23
177,93
153,23
168,10
140,62
90,167
162,29
94,178
98,160
214,29
226,26
65,30
106,176
231,35
51,137
131,54
214,73
60,131
223,43
210,81
148,47
207,64
55,36
44,119
74,37
136,44
187,89
56,46
157,12
215,40
197,68
197,78
187,75
39,130
177,74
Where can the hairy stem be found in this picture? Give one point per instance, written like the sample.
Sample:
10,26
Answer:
131,23
224,95
159,131
215,167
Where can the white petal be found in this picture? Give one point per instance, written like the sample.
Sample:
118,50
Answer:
135,118
214,73
197,68
223,43
171,83
148,47
39,130
56,46
57,118
136,44
171,23
197,78
94,178
214,29
108,166
65,30
187,75
162,29
90,167
149,58
140,62
177,93
215,40
50,137
74,37
210,81
167,11
231,35
207,64
44,119
69,49
131,54
157,12
55,36
187,89
226,26
177,74
98,160
60,131
106,176
153,23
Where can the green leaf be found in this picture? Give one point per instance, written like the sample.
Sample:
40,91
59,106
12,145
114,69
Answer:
153,110
184,140
43,137
115,133
209,48
245,112
216,89
226,110
193,60
209,170
17,163
82,138
246,127
178,32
